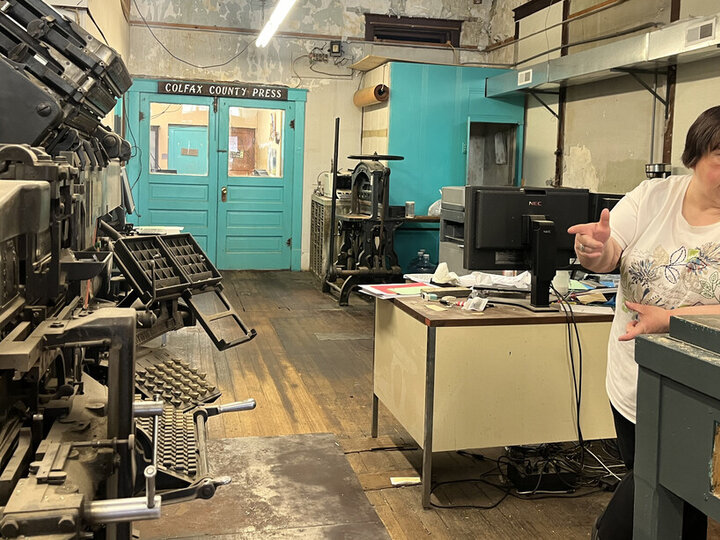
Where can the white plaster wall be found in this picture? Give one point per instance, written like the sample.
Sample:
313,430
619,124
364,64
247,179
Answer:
111,19
534,38
540,141
698,8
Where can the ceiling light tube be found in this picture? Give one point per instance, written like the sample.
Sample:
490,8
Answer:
281,10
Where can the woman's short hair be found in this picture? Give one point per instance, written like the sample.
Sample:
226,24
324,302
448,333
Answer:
703,137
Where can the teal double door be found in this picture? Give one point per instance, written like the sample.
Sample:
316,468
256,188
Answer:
224,170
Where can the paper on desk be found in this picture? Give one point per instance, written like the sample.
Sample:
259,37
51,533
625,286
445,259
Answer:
409,291
443,276
582,308
418,278
520,282
592,298
575,285
391,290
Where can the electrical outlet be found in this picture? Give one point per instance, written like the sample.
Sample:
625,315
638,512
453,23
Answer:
336,48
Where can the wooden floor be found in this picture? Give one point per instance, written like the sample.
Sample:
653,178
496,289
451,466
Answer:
310,371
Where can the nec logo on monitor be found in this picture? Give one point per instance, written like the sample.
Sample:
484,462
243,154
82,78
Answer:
535,203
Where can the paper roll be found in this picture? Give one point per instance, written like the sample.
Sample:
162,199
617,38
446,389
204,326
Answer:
371,95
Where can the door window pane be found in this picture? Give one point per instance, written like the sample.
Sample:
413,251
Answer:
179,139
255,142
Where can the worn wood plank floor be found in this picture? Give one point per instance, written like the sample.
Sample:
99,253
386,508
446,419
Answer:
310,371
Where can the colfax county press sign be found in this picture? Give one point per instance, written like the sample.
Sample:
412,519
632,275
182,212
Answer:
246,91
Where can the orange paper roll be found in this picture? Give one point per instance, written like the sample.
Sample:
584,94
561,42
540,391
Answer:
371,95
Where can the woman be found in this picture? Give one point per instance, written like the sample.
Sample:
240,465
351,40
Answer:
665,234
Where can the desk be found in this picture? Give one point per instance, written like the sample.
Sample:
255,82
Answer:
458,380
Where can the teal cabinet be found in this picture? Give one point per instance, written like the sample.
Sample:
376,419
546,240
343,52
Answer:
431,111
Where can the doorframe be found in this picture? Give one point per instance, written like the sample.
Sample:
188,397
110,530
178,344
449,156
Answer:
131,105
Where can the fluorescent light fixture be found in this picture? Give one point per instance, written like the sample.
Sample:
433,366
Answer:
281,10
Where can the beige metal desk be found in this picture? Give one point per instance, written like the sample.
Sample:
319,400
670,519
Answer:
458,380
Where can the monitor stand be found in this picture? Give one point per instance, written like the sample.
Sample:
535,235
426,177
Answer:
543,249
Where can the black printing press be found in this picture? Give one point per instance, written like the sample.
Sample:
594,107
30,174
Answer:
367,232
91,438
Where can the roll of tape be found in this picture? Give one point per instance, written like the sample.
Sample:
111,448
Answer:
371,95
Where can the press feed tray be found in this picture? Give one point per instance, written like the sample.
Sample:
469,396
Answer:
214,312
148,263
174,265
191,259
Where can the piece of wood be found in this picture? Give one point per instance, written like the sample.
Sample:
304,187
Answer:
375,481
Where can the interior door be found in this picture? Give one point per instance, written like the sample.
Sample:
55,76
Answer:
178,179
254,198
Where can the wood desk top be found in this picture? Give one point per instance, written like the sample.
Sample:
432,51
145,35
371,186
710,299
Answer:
423,219
498,315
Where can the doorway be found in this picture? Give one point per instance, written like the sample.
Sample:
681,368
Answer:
227,170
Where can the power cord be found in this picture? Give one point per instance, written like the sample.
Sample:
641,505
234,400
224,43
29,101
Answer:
177,57
97,26
577,380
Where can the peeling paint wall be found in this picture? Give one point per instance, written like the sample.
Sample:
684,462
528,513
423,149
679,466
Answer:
540,32
285,61
612,119
619,18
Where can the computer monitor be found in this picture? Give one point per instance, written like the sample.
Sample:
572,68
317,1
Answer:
600,201
511,228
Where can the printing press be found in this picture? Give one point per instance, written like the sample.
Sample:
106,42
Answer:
367,231
91,438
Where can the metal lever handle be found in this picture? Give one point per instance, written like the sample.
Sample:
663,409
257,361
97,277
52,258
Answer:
201,489
151,470
150,473
143,409
247,405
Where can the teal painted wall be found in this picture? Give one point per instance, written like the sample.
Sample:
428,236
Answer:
430,107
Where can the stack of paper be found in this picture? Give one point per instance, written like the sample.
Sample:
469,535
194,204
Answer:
393,290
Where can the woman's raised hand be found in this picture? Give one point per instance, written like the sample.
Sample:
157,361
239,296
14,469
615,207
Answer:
590,238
